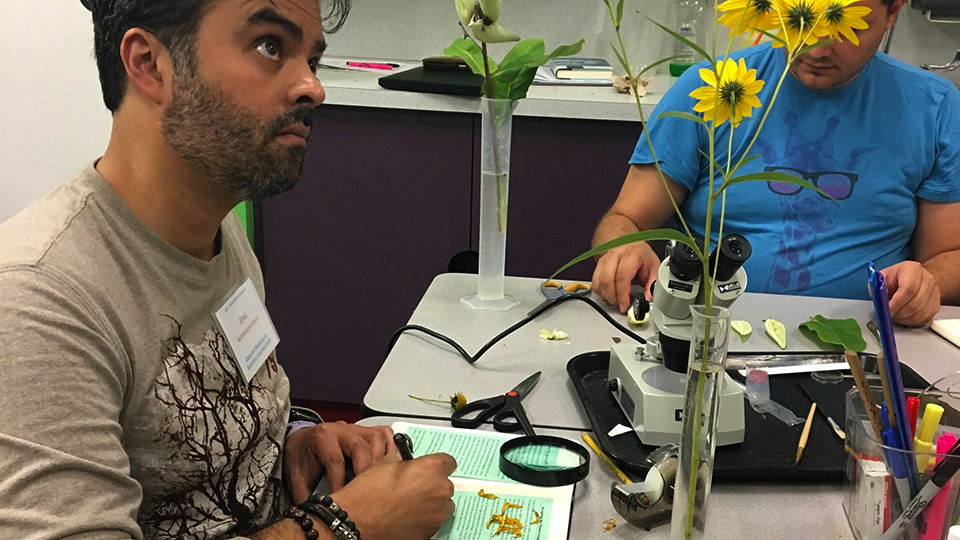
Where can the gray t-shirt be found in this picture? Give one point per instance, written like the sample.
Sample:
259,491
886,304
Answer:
122,412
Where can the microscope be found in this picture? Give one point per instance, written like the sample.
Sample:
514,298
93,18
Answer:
649,381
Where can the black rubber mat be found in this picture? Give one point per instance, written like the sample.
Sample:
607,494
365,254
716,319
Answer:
769,447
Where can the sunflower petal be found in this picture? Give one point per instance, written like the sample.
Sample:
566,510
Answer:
722,113
856,11
708,76
703,106
704,92
848,33
730,5
753,87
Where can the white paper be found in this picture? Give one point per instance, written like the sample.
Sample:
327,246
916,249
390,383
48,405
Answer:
619,429
948,328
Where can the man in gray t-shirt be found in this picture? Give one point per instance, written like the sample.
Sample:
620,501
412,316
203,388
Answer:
122,411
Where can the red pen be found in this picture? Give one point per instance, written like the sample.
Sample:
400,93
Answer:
913,409
373,65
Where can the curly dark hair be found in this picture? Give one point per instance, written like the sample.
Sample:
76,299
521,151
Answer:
173,22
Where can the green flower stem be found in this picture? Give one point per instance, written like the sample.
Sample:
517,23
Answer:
790,58
701,378
486,70
646,133
708,296
501,176
703,252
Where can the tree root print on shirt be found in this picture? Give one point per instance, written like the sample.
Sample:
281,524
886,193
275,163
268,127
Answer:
808,217
224,436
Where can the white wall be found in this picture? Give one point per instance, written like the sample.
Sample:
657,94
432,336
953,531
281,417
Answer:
53,122
413,29
52,118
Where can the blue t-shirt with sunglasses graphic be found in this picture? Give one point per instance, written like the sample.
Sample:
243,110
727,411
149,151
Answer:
889,137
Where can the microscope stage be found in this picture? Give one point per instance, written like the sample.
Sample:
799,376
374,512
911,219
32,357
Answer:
652,396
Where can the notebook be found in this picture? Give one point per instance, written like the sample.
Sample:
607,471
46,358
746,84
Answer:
434,81
948,328
481,490
571,67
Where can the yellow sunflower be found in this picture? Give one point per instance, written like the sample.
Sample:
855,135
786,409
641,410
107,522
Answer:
759,15
737,96
843,19
796,18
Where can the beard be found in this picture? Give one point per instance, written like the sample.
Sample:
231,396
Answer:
229,146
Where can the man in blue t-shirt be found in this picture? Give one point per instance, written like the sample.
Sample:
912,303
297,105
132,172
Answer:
881,137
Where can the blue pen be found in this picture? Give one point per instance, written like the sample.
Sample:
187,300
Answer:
881,306
897,463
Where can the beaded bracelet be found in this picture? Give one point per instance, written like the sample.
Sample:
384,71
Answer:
332,515
303,521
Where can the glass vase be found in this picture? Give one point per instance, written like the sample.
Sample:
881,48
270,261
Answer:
701,413
496,119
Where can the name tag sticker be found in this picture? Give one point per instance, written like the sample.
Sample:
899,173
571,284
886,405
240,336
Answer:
247,327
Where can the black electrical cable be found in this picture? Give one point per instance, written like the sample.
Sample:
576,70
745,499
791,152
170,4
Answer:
533,315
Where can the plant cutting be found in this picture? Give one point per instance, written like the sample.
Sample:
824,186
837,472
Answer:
504,84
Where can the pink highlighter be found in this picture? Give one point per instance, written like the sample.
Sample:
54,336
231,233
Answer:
374,65
935,514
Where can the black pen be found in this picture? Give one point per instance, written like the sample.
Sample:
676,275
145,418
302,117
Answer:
404,445
942,474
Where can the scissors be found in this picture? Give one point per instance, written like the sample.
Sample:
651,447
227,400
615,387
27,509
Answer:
553,290
506,406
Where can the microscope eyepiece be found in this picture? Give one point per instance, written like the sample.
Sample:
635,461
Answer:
734,251
684,263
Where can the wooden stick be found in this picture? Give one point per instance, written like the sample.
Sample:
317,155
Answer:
887,393
866,396
805,434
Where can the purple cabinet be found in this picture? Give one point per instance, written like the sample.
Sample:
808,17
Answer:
387,198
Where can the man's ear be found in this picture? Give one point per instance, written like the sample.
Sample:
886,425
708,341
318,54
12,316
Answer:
893,10
147,64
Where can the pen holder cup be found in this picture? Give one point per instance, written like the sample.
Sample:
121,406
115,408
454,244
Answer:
872,499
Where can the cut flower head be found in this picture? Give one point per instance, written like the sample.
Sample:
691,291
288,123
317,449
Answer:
747,16
480,16
801,22
732,98
844,19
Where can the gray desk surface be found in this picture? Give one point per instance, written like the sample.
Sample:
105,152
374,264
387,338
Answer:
423,366
744,511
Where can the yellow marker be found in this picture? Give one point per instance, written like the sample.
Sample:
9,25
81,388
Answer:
923,442
606,459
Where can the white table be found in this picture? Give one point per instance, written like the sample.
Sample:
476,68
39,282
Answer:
423,366
745,511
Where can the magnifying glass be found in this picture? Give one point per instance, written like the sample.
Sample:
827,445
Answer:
543,460
538,460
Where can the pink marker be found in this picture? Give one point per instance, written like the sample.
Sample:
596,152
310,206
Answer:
935,513
373,65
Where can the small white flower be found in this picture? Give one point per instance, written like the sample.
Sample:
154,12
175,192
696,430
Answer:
480,16
466,9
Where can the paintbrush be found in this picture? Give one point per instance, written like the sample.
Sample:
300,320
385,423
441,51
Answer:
833,424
